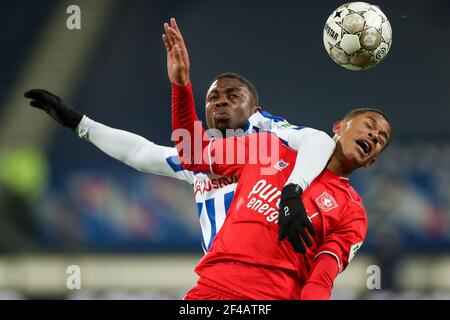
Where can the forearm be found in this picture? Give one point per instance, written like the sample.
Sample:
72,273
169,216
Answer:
129,148
320,282
187,130
314,152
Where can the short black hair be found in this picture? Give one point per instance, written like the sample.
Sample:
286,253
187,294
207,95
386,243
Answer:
251,88
355,112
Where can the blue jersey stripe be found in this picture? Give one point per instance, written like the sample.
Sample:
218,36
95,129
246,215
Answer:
174,163
298,128
199,208
203,246
199,211
247,125
211,211
267,115
228,197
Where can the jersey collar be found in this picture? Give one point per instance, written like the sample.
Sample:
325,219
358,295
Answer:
330,175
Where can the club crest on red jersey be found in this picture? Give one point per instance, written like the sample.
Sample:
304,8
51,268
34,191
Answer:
326,202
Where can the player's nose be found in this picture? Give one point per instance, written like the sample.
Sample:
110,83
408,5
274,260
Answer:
221,102
374,136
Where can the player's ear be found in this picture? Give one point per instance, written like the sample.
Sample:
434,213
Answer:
255,109
371,162
337,127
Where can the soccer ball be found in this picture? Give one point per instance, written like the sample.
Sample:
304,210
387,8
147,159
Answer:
357,36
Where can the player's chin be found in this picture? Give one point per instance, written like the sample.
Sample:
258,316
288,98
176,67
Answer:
364,162
222,124
356,160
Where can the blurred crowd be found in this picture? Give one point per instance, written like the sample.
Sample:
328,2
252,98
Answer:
407,197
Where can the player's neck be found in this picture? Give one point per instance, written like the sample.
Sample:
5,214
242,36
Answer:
338,166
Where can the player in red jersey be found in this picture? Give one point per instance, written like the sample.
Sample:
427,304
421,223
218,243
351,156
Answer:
246,261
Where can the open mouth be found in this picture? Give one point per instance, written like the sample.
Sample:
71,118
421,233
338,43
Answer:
364,145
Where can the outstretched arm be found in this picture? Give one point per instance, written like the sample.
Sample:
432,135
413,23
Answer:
197,153
133,150
129,148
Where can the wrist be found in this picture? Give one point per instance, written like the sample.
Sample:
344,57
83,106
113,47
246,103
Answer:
84,126
181,85
299,180
291,190
72,119
76,123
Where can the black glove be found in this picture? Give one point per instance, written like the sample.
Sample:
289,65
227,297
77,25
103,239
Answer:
54,106
293,220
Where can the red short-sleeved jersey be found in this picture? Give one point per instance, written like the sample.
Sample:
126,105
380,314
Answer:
246,256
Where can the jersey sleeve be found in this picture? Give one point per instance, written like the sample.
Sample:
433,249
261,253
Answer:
344,234
320,281
133,150
314,147
264,121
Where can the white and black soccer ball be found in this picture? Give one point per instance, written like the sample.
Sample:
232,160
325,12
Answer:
357,35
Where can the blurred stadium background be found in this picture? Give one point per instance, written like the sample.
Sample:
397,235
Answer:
136,235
